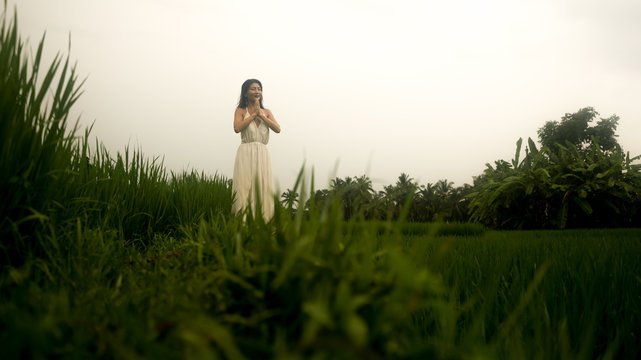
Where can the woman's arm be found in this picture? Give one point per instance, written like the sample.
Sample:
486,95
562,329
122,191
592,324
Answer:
240,122
267,116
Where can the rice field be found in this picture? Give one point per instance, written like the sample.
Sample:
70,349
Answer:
112,256
323,288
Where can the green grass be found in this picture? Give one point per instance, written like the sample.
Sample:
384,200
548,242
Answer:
225,288
574,293
112,256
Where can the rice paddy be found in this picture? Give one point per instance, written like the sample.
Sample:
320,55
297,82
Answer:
112,256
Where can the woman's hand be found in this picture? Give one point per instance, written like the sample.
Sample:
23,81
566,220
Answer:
268,118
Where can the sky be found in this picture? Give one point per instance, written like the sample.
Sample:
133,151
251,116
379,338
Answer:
434,89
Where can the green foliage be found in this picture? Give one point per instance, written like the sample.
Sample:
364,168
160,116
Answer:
557,188
574,128
137,196
318,286
326,288
575,183
355,194
399,195
35,148
49,176
295,287
440,201
547,294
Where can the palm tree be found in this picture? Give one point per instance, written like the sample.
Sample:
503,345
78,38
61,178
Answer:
289,199
459,203
426,201
364,195
398,194
355,193
320,198
443,188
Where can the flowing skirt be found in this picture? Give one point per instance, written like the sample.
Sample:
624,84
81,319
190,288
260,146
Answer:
253,181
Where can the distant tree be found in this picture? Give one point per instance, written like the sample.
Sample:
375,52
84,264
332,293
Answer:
579,178
355,193
444,188
356,196
289,199
398,194
459,203
426,202
444,191
320,198
575,128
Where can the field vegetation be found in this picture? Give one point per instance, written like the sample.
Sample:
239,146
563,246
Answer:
574,183
112,256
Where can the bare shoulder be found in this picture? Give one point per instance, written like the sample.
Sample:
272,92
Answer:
269,112
238,110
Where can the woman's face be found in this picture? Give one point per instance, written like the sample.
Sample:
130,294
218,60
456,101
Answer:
254,92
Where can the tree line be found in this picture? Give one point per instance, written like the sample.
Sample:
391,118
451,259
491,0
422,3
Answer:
579,177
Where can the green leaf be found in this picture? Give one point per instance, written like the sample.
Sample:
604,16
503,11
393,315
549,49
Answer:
319,312
583,204
356,329
532,146
604,174
517,154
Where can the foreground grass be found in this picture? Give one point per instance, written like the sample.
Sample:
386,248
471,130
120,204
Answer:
545,294
330,290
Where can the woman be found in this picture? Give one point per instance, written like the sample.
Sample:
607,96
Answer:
253,181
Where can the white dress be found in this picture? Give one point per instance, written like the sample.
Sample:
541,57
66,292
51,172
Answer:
253,171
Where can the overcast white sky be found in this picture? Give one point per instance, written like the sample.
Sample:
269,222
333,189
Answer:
435,89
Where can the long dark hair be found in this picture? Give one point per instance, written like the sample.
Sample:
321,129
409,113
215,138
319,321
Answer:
242,102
